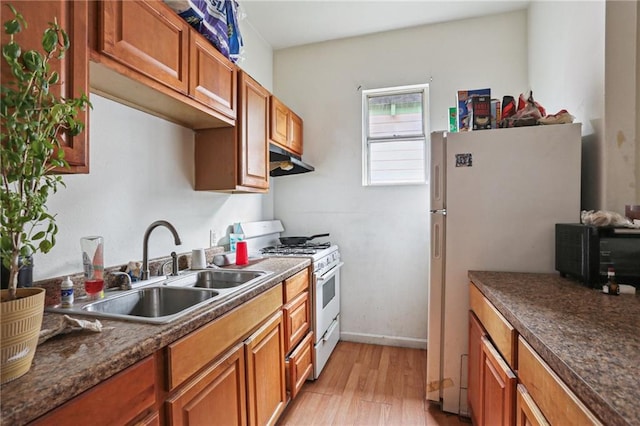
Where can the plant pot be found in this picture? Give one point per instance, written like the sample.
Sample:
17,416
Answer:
20,323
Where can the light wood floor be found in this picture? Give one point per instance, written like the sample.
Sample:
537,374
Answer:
368,385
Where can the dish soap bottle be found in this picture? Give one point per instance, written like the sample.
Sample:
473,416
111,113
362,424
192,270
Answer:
66,293
612,284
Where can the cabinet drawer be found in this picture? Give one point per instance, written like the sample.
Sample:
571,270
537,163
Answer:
502,333
558,404
191,353
527,411
297,320
295,285
299,365
116,401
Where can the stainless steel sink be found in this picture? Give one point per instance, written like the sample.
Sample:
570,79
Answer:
169,299
220,279
157,304
152,302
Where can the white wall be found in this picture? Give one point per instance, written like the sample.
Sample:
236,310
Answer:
566,71
583,56
257,56
142,170
383,232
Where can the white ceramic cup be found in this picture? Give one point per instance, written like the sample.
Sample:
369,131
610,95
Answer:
198,259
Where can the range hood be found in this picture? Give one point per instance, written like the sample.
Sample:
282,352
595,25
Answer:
283,162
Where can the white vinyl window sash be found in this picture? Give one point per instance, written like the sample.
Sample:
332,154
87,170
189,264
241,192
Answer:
394,135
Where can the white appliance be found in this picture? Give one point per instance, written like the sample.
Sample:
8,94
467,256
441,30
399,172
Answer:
325,294
262,240
495,198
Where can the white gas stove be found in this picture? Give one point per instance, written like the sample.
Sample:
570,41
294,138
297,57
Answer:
263,237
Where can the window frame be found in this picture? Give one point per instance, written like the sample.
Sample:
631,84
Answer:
367,141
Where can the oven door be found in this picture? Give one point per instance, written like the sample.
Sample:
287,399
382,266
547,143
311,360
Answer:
327,300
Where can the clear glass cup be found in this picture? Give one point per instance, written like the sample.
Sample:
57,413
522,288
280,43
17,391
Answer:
93,262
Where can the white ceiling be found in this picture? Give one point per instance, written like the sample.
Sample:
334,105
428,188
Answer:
287,23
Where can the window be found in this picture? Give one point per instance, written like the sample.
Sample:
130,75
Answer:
394,135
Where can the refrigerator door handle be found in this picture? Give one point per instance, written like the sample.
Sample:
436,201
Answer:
437,242
439,211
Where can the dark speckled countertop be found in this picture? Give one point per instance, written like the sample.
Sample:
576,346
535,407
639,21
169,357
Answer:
66,366
591,340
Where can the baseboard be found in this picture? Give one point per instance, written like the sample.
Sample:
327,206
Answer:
376,339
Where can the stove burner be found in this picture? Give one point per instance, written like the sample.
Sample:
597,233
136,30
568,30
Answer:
304,248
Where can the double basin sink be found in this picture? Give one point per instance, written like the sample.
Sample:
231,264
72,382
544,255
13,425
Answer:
171,298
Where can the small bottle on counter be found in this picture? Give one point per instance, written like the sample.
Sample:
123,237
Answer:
612,285
66,293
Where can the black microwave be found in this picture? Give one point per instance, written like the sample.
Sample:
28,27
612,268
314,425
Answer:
586,252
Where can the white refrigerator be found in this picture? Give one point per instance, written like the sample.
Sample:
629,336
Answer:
496,196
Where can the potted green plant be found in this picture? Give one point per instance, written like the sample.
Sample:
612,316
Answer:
33,119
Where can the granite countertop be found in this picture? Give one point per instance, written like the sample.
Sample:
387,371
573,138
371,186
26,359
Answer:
65,366
589,339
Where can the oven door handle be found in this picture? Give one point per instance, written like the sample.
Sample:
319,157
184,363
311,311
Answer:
331,273
329,331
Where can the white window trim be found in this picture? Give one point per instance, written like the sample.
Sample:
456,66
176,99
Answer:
366,181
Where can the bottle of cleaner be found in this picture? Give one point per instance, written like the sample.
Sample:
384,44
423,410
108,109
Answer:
66,293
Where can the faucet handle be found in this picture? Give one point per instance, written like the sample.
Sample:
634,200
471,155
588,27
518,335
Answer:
127,285
174,265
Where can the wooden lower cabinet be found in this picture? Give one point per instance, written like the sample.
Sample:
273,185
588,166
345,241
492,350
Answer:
557,403
476,333
491,380
121,400
215,396
266,392
498,384
527,412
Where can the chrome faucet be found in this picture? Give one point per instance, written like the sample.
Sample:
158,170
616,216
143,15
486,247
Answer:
145,244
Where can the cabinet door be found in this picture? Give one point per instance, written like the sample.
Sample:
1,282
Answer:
279,128
527,412
253,167
476,334
295,132
215,396
266,392
212,77
73,68
297,320
148,37
498,388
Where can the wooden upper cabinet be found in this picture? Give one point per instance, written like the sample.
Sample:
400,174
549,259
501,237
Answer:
212,77
254,127
295,132
237,159
148,39
279,128
73,68
145,56
285,128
